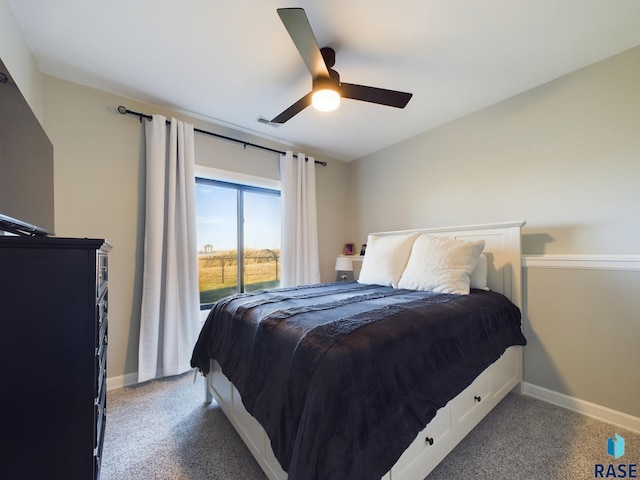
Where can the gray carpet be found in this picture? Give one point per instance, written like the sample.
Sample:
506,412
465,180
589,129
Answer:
163,430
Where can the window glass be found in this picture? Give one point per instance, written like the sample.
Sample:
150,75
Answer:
261,240
238,225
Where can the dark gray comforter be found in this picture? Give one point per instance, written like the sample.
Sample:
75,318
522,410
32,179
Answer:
343,376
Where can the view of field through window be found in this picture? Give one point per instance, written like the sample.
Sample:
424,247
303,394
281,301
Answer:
218,272
220,233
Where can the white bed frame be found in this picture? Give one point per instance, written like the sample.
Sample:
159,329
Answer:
453,421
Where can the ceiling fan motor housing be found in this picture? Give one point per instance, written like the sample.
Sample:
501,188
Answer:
331,83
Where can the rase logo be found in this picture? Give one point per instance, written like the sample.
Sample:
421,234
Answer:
615,448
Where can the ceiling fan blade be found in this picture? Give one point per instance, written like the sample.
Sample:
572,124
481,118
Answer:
294,109
382,96
297,24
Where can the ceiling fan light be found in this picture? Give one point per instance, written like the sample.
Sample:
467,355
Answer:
325,100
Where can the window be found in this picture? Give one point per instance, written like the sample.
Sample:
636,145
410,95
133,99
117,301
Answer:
238,238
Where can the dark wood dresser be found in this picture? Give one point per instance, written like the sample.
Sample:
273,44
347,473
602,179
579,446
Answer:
53,354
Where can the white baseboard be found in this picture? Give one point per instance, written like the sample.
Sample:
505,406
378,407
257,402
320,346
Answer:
122,381
589,409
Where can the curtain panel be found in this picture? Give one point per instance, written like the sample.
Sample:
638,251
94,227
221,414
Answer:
300,259
169,320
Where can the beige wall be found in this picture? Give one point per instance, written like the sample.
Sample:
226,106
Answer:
565,157
582,329
99,170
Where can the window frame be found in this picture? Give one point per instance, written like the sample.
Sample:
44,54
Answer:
241,183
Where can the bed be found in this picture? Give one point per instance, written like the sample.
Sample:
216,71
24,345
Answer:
358,380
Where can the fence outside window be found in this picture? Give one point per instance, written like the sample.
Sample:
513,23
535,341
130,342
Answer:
218,273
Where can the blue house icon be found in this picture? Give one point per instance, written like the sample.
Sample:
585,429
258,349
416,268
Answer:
615,446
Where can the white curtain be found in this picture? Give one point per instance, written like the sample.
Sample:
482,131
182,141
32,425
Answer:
170,306
300,261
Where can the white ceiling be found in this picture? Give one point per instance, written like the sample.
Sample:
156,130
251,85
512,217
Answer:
231,61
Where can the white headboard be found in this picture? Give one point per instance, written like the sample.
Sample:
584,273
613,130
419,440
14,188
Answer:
502,247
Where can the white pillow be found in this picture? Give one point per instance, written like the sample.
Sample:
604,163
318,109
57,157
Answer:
441,264
479,275
385,259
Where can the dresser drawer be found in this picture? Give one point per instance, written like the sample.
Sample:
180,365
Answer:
101,339
102,272
101,370
101,415
101,419
102,309
101,316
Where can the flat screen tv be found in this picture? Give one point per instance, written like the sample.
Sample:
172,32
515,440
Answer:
26,165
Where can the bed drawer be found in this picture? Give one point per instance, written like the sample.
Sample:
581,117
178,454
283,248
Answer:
273,464
221,385
252,429
412,461
506,373
470,401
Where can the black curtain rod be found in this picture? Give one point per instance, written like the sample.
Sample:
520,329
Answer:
126,111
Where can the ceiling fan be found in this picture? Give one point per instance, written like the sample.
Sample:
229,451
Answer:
327,89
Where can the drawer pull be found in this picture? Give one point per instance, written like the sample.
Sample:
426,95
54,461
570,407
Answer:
477,398
429,440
